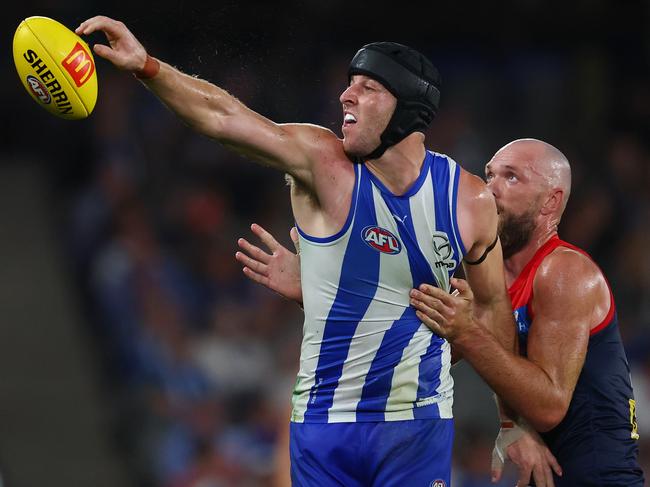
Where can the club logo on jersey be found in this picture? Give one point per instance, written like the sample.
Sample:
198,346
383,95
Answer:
39,89
438,483
443,251
381,239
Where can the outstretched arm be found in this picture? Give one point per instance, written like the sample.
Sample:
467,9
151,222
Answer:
211,110
278,270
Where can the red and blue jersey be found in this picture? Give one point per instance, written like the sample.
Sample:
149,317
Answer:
596,442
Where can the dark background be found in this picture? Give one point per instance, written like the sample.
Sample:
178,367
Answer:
133,351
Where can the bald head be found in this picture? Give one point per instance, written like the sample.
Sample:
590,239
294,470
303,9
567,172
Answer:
549,167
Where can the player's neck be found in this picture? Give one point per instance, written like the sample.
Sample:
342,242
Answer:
400,165
514,264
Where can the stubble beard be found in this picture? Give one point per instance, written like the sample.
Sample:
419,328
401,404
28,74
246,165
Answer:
361,148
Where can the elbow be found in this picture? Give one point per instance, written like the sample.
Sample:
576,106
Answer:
548,418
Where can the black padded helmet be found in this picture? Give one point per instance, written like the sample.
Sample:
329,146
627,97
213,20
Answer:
410,77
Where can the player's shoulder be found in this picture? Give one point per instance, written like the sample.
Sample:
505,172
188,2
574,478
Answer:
311,131
568,270
474,195
477,214
318,140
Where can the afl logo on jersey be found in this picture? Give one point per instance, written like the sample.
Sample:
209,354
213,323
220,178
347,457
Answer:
438,483
381,239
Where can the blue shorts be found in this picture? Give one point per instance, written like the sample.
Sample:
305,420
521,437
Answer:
392,453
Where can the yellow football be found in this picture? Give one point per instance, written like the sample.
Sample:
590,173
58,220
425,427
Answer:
56,67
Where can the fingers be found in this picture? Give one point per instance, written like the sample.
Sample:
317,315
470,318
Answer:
266,238
254,251
99,22
497,466
524,476
295,238
430,317
257,277
437,293
430,301
252,264
462,286
548,476
538,475
105,52
552,461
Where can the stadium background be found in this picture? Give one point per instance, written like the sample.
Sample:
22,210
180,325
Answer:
132,350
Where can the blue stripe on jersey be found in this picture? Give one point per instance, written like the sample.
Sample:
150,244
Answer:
356,289
454,219
380,376
429,380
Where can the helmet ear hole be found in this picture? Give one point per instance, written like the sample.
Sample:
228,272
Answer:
410,77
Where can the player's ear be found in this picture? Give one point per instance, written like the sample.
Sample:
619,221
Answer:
553,201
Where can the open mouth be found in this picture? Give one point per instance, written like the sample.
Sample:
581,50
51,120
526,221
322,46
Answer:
349,119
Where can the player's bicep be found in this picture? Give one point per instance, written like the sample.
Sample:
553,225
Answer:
486,278
287,147
559,333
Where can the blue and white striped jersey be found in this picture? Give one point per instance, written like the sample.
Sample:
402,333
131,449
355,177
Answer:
365,355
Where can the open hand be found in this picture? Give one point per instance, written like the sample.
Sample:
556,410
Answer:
448,315
125,51
278,270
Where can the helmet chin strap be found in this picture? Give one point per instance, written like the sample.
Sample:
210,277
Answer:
409,116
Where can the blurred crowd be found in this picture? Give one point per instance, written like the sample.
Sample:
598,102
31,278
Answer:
199,362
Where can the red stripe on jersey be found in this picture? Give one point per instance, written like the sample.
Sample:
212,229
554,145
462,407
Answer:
521,290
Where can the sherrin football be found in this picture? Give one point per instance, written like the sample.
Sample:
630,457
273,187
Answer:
56,67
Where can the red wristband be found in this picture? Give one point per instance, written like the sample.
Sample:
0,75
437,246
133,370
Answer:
149,70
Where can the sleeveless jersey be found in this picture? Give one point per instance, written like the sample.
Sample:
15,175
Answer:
595,443
365,355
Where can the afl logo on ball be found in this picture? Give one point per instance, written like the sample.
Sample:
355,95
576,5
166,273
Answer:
39,89
381,239
438,483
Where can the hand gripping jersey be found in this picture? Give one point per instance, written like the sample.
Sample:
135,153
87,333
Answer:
595,444
365,355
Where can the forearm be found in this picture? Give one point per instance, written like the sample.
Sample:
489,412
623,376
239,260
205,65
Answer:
496,316
520,383
200,104
506,413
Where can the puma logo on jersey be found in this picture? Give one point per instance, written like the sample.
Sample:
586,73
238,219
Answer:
381,239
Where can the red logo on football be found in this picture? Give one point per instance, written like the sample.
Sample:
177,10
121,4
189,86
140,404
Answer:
381,239
79,64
